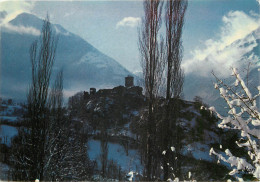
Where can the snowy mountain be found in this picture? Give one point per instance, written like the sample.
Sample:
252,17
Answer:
83,65
197,83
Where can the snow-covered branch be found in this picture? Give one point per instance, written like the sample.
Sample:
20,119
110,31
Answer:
243,116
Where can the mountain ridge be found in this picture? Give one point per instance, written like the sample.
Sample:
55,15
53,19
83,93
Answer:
84,66
203,86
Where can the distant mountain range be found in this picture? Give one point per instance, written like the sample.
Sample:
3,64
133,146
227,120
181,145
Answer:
202,86
83,65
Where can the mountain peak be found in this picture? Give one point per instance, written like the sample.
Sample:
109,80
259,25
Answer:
84,65
30,20
27,20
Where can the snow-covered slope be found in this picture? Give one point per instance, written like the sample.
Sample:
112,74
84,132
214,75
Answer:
83,65
10,116
122,114
117,153
7,133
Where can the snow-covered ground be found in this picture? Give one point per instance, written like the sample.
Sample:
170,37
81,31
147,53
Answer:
127,132
9,109
198,151
9,113
4,172
7,133
116,153
9,118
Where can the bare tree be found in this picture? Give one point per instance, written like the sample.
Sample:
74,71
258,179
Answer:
34,136
56,148
151,51
42,59
174,21
43,149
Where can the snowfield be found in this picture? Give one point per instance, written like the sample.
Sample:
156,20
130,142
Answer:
117,153
198,151
7,133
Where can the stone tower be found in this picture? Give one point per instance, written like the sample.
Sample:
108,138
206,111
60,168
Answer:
92,91
129,81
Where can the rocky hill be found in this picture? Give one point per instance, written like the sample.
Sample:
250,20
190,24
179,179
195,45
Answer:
120,110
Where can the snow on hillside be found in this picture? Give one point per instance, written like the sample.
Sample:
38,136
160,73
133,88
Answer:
4,172
9,109
198,151
9,118
10,112
117,153
102,61
7,133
